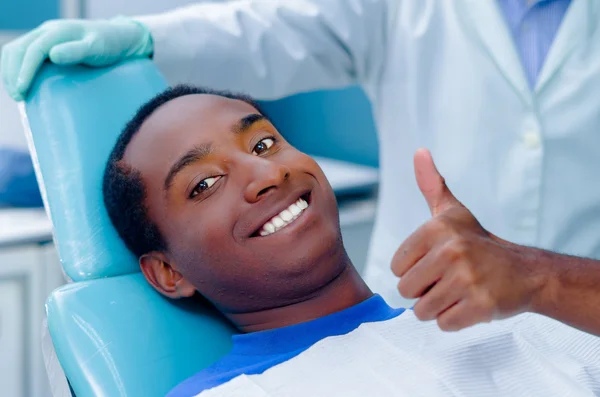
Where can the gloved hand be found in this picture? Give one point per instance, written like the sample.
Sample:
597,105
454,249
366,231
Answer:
93,43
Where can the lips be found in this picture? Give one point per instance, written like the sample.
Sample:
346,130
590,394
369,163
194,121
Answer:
284,218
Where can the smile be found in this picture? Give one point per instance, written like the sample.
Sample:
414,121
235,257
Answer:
284,218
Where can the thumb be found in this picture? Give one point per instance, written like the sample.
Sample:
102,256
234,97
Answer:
432,184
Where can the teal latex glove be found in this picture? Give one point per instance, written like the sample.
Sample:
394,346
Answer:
64,42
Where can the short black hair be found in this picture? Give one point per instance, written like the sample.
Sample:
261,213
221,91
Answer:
122,187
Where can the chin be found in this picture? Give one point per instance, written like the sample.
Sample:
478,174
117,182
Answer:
315,266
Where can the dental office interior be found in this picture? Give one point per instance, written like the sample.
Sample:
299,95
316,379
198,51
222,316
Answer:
343,140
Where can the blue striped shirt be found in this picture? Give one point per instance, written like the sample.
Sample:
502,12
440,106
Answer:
533,24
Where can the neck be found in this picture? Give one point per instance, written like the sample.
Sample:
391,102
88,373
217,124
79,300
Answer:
344,291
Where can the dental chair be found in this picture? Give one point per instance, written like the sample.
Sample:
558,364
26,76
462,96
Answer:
111,333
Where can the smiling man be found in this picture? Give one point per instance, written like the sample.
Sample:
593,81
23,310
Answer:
213,200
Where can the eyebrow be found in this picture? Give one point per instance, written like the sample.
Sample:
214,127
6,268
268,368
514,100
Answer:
200,152
190,157
247,122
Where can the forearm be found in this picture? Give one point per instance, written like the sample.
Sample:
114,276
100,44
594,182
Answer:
271,48
571,291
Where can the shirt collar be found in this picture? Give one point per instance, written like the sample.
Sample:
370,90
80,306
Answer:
300,336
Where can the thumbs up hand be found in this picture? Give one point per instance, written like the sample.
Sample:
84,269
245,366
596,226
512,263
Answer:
461,273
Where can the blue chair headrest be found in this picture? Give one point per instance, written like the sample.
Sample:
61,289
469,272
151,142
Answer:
81,114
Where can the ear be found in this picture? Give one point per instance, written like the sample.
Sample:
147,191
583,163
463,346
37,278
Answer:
164,278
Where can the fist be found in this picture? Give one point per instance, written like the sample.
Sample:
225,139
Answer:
461,273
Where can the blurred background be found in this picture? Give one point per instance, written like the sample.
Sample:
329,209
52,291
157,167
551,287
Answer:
331,125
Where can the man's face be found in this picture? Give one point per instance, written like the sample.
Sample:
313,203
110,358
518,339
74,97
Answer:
249,220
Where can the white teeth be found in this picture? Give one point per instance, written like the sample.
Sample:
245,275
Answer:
295,210
284,218
286,215
269,227
302,204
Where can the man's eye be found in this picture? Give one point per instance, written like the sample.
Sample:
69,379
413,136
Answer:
204,185
263,145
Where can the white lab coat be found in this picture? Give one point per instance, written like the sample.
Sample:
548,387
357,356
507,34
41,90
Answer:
443,74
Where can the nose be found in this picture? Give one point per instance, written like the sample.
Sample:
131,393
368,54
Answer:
265,177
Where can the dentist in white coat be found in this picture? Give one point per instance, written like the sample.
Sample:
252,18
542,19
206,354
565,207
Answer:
505,94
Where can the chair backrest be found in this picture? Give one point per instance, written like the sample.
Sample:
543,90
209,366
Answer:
117,337
113,334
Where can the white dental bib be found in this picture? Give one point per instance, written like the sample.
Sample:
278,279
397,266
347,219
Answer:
528,355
